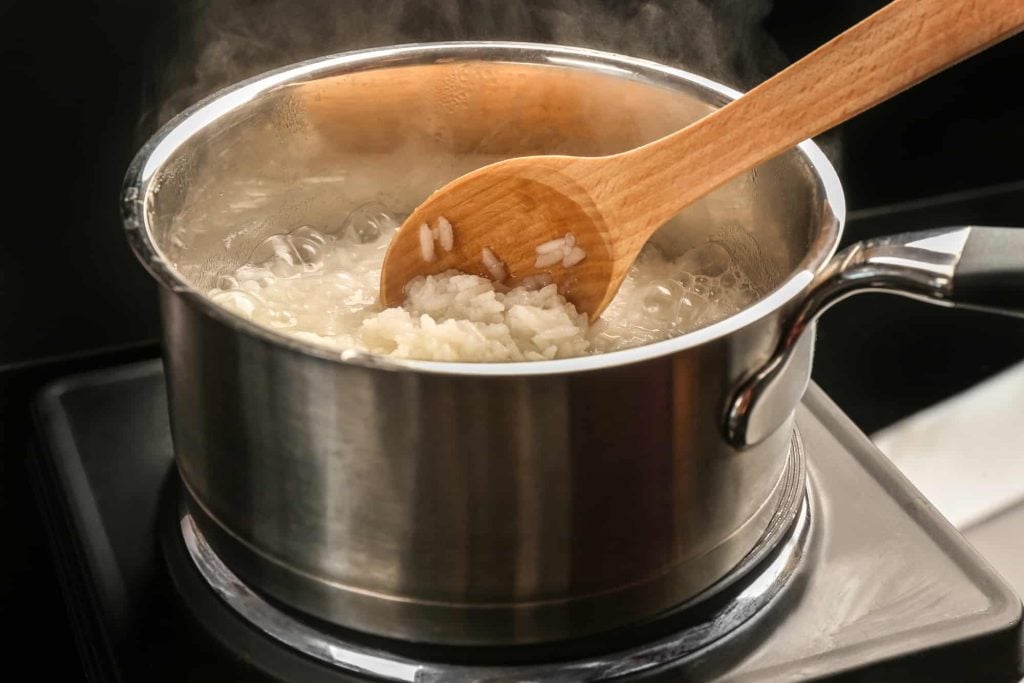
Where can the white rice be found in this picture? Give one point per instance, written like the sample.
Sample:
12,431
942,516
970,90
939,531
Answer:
426,243
445,235
438,322
564,250
551,247
574,256
323,289
549,259
442,233
493,265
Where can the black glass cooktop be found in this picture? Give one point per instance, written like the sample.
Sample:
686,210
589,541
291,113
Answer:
887,589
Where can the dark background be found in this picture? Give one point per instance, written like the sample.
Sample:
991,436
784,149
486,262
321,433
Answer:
82,87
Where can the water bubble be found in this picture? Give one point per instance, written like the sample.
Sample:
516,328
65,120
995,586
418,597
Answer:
661,299
700,286
709,259
250,272
728,280
285,269
281,318
239,302
368,222
307,232
275,246
684,278
311,252
227,282
364,232
278,255
688,312
310,246
743,297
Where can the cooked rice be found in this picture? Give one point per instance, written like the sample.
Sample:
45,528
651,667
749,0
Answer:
328,295
426,243
564,250
493,264
548,259
550,247
445,235
574,256
454,316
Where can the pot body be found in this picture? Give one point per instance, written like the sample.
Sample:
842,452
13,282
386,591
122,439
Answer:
462,503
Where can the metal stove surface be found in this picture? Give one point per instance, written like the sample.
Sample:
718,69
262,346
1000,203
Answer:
886,589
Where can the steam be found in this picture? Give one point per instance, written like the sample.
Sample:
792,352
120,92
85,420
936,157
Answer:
225,41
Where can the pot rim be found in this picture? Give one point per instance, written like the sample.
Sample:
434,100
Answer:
137,189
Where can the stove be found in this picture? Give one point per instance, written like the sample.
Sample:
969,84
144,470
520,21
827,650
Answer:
866,582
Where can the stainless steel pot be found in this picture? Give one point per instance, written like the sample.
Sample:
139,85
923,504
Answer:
494,503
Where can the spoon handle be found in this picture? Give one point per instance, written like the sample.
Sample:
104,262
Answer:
898,46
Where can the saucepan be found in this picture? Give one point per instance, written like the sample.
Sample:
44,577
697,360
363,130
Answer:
496,503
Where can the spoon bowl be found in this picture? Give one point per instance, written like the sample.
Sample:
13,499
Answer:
530,198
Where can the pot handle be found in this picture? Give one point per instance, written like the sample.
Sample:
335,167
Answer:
969,267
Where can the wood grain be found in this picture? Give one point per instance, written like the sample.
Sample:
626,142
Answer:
480,108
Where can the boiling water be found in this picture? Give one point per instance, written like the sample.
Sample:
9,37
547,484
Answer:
323,288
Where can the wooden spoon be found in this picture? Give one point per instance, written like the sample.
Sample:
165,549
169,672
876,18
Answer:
611,205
